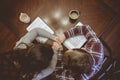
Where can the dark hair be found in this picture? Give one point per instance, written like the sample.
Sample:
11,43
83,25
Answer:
79,63
22,64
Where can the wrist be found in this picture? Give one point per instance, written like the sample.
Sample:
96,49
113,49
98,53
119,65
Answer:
62,38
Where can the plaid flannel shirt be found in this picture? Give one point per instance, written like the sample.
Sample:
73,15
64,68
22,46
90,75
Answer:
93,46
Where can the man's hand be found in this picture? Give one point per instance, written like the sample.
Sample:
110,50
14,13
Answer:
60,38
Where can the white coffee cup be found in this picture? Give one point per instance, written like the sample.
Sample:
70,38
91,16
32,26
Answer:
24,18
74,14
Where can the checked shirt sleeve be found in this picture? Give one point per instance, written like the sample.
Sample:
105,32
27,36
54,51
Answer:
93,46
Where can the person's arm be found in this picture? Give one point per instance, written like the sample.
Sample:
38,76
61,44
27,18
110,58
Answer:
93,45
49,70
46,72
33,34
81,30
78,30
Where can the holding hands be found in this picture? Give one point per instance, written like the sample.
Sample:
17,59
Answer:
58,40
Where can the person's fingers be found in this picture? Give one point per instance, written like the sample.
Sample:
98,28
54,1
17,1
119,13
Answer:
54,45
57,39
60,48
61,38
57,46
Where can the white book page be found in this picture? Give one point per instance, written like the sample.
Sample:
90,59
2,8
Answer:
76,41
71,43
39,23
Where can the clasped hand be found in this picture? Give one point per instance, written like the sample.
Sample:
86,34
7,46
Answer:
58,40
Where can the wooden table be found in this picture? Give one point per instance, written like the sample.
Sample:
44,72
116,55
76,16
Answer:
55,14
99,14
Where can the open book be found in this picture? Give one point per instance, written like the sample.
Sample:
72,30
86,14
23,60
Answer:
73,42
39,23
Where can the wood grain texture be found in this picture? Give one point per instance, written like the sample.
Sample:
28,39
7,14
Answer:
102,15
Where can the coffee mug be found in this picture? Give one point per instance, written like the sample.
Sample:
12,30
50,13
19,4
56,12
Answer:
74,14
24,18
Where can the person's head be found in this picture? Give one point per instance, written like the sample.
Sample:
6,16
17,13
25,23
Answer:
39,56
33,59
78,60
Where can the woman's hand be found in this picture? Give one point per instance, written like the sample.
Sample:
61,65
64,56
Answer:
57,46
